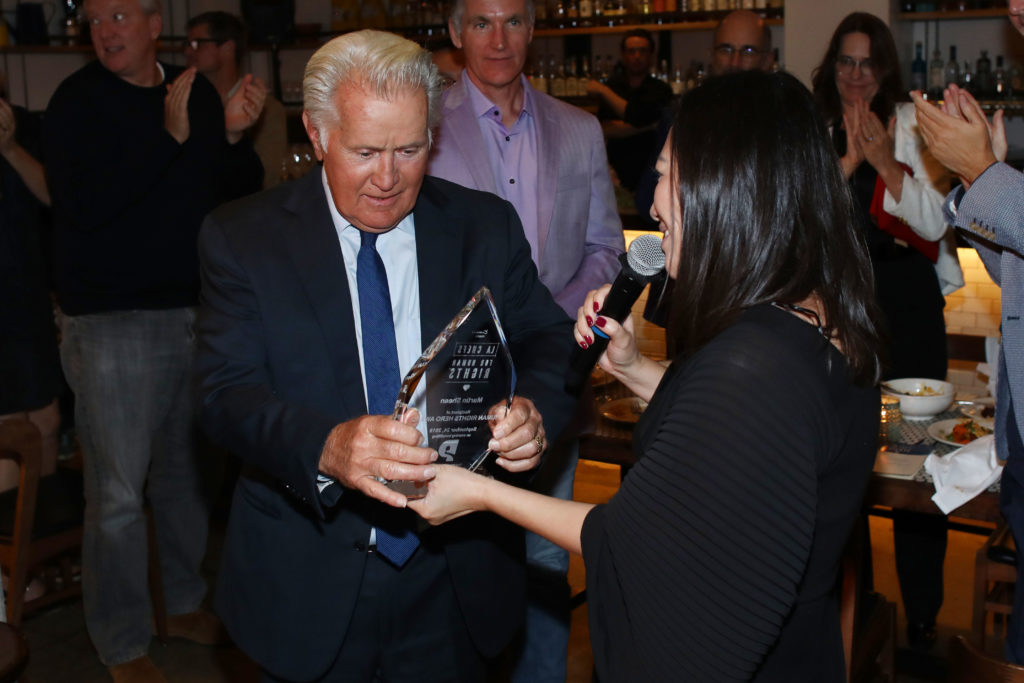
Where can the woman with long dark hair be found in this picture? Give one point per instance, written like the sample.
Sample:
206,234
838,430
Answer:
898,188
717,559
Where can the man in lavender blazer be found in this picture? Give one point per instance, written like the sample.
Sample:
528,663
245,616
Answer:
577,233
988,209
548,159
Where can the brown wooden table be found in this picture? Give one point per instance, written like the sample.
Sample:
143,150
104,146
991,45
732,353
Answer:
612,442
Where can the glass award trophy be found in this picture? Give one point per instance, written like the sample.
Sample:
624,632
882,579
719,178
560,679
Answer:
470,383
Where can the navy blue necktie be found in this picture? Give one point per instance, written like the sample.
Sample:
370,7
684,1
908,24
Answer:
380,366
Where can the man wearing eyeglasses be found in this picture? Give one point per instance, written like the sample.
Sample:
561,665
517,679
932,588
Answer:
742,42
631,104
216,47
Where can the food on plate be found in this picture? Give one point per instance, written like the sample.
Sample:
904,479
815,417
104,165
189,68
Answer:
966,431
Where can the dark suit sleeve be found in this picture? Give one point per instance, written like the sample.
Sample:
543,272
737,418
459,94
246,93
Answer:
539,331
239,407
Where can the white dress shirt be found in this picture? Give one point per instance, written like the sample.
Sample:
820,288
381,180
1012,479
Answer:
397,249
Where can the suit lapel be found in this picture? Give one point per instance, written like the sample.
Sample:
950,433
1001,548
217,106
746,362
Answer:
439,256
312,243
461,123
547,181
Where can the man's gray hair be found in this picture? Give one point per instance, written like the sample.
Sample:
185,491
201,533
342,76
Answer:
384,63
459,8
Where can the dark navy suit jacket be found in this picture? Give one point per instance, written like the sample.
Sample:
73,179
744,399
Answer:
278,368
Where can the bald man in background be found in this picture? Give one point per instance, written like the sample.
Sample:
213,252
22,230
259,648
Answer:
742,42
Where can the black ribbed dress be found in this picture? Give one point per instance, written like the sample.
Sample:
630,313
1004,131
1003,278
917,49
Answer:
717,559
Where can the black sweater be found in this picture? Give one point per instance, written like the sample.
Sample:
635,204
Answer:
127,198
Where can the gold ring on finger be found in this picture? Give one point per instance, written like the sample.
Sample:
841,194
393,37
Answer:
539,440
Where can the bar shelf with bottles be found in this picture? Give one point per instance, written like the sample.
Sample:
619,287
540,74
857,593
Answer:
998,88
951,10
583,17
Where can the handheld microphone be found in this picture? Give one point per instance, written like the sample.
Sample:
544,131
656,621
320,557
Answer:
642,263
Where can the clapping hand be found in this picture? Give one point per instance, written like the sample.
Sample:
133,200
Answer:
244,107
854,156
176,105
959,136
875,140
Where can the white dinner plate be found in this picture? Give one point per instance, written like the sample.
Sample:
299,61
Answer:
624,410
973,411
939,430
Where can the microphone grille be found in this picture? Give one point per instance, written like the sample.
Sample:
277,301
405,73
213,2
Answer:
645,255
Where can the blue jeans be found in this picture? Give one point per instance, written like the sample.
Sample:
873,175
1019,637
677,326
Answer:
131,375
546,641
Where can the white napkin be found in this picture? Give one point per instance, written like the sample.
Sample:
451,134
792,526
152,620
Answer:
964,473
992,349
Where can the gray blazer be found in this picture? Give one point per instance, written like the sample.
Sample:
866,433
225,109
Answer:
991,216
579,231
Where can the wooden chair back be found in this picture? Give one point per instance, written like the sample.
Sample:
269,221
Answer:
45,522
968,664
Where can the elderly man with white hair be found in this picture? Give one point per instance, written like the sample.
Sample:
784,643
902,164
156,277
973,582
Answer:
317,296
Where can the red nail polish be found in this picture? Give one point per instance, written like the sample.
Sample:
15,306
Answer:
590,321
596,307
590,340
584,345
601,321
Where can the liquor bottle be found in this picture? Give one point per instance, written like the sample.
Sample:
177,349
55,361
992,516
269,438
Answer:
983,76
586,11
557,84
967,78
1001,86
540,77
572,84
558,14
622,8
663,71
678,84
935,76
540,14
609,12
952,74
918,70
572,12
584,75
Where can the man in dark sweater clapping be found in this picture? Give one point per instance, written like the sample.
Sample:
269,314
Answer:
136,153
